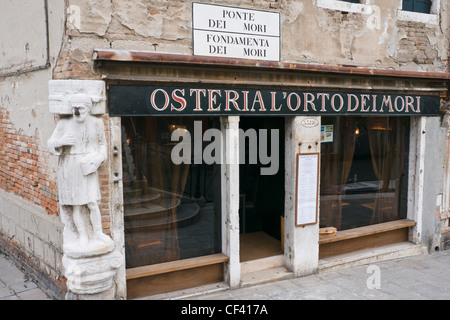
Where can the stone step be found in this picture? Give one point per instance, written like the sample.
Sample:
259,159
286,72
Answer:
262,264
265,276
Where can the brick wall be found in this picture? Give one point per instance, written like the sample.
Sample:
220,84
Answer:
417,46
30,231
104,181
75,64
23,169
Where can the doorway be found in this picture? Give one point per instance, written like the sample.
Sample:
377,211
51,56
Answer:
261,184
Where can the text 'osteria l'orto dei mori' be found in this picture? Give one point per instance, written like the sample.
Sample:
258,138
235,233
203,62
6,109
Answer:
220,100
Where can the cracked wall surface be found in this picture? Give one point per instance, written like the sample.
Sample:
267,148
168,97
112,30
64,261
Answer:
372,36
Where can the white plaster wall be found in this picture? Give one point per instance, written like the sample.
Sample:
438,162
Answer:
23,46
25,97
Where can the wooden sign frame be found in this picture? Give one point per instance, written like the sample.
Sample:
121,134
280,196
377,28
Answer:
307,177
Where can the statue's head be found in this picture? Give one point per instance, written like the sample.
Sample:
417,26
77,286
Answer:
81,106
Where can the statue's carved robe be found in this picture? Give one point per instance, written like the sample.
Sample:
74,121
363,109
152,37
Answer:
77,167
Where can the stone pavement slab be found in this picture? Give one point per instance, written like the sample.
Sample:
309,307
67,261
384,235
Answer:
420,277
15,285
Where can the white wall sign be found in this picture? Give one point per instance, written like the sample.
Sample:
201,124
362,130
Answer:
307,188
222,31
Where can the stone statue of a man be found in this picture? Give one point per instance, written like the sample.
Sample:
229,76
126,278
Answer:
80,143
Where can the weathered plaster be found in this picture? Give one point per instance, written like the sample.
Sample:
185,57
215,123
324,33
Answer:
21,97
348,37
91,16
25,96
367,34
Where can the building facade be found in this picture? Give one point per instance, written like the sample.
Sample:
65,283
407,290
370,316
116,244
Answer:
239,137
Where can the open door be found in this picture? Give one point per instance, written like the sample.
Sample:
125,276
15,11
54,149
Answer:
261,204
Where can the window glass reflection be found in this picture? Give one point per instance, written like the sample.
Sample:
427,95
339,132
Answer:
363,171
171,211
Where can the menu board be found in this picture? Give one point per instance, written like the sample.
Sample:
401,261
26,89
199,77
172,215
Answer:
307,188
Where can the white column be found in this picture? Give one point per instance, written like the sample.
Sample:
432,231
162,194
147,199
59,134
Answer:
301,244
116,199
426,180
416,175
230,199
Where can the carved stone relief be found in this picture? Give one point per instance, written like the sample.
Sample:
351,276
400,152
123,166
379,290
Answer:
78,140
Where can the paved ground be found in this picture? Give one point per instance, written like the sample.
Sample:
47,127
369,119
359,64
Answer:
15,285
423,277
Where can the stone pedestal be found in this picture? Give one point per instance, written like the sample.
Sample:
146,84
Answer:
91,278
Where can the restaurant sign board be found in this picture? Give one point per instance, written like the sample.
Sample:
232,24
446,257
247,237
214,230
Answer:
148,100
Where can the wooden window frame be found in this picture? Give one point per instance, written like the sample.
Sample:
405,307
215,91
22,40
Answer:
372,236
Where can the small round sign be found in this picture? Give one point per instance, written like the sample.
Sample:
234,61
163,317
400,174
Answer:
310,122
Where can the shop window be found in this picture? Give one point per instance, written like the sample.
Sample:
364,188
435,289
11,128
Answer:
422,6
364,166
171,211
